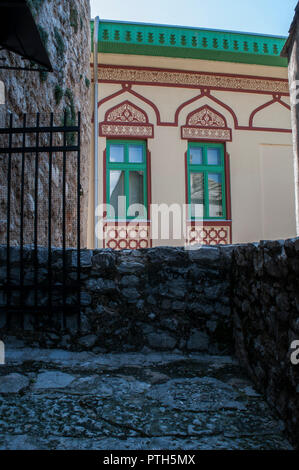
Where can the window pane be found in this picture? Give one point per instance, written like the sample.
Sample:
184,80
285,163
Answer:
117,153
214,156
136,154
197,194
196,156
117,193
215,194
136,199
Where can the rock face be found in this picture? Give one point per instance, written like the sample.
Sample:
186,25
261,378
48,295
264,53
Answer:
65,30
53,379
13,383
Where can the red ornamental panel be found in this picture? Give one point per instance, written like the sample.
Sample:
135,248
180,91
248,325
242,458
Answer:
126,120
122,235
206,124
209,233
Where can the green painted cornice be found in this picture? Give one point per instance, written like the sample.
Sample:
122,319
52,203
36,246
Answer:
193,43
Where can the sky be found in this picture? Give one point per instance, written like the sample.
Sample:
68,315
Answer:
256,16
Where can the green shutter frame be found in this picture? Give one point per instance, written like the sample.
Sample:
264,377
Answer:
127,167
206,169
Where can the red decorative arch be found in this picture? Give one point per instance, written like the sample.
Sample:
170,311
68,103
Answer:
126,120
206,92
126,88
206,123
276,99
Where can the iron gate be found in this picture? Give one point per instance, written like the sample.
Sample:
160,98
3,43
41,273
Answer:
40,217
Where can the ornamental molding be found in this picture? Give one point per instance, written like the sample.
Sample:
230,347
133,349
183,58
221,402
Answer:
126,120
206,123
119,236
112,130
206,134
209,234
206,117
126,112
193,79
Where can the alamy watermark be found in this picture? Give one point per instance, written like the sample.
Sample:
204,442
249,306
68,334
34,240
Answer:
295,353
294,92
168,222
2,353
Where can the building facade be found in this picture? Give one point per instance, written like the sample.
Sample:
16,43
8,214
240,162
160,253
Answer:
193,119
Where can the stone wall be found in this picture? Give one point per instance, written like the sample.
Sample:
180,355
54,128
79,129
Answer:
161,298
266,321
215,300
65,30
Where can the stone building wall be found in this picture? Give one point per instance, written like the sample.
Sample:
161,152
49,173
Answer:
291,52
293,76
65,30
265,303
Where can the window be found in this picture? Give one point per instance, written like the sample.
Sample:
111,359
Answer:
206,181
126,179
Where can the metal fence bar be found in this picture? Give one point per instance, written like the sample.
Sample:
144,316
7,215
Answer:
22,222
63,226
8,293
36,215
42,129
50,216
40,149
79,223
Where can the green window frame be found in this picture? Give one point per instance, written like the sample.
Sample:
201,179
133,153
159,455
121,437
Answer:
128,169
216,171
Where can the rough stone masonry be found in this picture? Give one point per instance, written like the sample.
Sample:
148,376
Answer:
64,27
213,300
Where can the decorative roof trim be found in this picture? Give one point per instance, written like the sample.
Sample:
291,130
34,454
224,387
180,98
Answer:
174,41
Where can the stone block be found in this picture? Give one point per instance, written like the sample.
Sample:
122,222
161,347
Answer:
161,340
13,383
198,341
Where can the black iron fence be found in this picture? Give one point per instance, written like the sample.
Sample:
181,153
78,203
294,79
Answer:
40,209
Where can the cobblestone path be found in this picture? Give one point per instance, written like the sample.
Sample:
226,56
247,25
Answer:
52,399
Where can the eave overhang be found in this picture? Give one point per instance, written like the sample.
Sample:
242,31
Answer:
19,33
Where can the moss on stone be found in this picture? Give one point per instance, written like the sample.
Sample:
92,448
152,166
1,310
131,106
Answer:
60,46
43,75
58,94
70,115
74,18
43,35
87,82
35,6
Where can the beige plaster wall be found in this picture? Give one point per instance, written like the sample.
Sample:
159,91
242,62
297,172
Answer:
193,64
277,194
252,182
